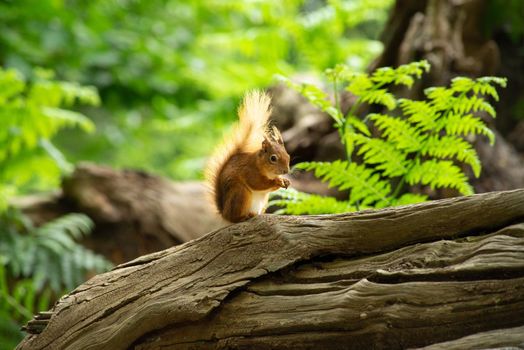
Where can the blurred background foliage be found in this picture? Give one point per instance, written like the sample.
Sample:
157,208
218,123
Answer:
154,83
170,73
38,264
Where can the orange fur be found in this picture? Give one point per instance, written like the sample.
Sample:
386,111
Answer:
238,172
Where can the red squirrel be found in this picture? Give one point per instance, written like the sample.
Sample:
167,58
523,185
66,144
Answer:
248,165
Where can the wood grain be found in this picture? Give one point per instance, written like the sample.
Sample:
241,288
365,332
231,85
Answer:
340,281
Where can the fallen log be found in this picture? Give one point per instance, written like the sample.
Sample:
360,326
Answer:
135,213
396,278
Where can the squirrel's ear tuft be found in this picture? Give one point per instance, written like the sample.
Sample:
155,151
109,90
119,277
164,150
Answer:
277,136
266,144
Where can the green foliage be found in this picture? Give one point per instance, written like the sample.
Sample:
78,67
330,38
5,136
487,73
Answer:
166,67
49,253
507,15
419,143
297,203
366,186
30,115
39,263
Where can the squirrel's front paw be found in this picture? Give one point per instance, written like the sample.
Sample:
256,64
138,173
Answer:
284,182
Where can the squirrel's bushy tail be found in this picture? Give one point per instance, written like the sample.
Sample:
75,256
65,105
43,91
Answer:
247,135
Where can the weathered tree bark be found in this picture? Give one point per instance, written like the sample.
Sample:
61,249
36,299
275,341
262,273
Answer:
388,279
445,32
497,339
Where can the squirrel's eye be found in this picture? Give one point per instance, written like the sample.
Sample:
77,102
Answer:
273,158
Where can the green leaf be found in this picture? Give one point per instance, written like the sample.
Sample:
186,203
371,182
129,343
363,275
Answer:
452,147
464,105
440,98
68,118
403,75
383,154
399,132
420,113
456,124
297,203
439,174
381,97
482,85
364,184
359,84
410,198
359,125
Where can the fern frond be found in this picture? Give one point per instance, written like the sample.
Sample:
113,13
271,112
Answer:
399,132
348,140
464,105
359,84
420,113
422,145
72,226
50,254
364,184
362,85
358,124
339,72
81,261
410,198
439,174
416,68
381,97
452,147
65,262
440,98
485,84
296,203
482,85
456,124
64,118
402,75
386,157
462,84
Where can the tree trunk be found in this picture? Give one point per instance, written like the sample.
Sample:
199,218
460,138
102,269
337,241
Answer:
401,277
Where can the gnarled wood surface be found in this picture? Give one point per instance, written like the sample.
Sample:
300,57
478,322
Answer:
395,278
